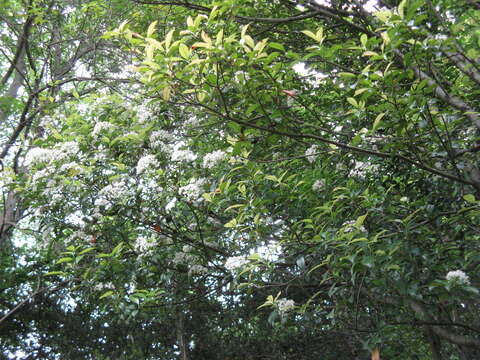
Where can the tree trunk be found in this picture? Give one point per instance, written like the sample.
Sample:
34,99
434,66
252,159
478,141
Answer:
182,345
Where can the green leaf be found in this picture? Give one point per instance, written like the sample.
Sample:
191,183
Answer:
64,260
53,273
151,28
377,121
184,51
107,294
360,91
401,8
168,39
470,198
310,34
363,39
360,220
231,224
86,250
277,46
352,101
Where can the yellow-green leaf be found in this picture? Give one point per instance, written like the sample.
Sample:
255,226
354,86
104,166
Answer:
249,41
352,101
151,28
107,294
166,93
168,39
206,38
232,223
401,8
184,51
219,38
470,198
376,123
360,91
310,34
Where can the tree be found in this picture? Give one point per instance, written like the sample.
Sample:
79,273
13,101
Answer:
298,169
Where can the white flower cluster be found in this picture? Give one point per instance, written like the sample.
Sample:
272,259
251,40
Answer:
110,193
236,262
193,190
102,126
182,257
143,113
361,169
39,156
349,226
285,305
70,148
318,185
458,276
143,244
213,158
197,269
171,204
103,286
147,162
61,152
79,234
158,140
56,199
183,155
101,155
310,153
193,121
46,173
115,190
71,166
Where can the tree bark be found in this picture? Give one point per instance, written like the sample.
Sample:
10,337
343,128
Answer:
179,324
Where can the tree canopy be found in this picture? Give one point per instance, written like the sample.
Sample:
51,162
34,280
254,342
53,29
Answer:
240,179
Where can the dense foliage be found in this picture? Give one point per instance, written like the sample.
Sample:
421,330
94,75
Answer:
240,179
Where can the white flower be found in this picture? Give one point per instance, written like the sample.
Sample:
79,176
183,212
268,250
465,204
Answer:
458,276
143,113
102,126
103,286
69,147
213,158
171,204
39,155
193,190
285,305
79,234
187,248
102,202
197,270
182,258
310,153
183,155
56,198
146,162
71,166
193,121
349,226
236,262
143,244
157,140
42,174
340,167
318,185
112,192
